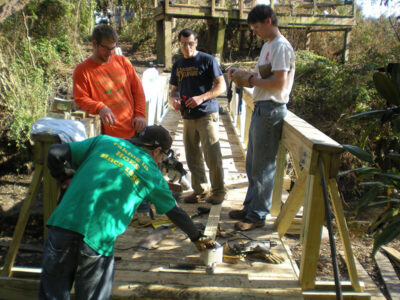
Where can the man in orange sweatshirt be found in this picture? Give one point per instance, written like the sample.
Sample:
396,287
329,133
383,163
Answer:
107,84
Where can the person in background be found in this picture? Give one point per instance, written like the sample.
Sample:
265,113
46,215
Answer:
111,177
272,80
107,84
196,81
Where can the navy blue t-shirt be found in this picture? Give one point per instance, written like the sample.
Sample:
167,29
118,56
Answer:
194,76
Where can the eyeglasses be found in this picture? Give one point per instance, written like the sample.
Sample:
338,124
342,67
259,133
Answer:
108,48
184,44
168,152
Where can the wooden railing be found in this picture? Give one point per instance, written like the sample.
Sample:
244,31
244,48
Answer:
307,148
283,8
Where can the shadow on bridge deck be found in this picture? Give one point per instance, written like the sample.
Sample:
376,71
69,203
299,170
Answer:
154,273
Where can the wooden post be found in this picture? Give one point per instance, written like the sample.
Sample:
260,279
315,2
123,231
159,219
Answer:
292,205
216,36
164,42
347,38
22,220
281,164
344,233
308,39
220,37
313,220
212,8
241,7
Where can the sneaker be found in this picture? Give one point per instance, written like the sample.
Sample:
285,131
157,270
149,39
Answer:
193,198
215,198
247,224
238,214
144,218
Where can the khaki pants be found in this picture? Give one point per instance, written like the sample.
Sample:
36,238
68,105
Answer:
204,130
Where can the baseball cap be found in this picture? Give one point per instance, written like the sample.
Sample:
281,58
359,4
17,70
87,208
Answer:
152,137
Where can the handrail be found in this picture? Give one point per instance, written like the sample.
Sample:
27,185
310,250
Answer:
307,146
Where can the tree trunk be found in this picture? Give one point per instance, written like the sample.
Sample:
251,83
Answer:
7,8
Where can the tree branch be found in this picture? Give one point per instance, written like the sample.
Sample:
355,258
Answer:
8,8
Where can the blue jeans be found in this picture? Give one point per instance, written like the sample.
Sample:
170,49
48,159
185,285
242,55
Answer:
67,258
144,207
264,135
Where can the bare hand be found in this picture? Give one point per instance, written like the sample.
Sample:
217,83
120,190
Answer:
230,72
242,78
139,123
175,102
193,102
107,116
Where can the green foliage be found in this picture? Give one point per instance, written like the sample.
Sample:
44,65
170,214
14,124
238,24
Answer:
138,30
381,181
38,49
325,91
25,92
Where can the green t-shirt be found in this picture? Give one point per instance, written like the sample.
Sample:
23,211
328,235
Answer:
113,177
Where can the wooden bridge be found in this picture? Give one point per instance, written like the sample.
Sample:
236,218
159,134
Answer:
173,269
312,15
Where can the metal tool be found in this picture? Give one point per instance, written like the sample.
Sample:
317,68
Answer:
254,246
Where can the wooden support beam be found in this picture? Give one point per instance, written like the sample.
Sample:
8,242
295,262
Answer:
347,39
216,36
292,205
241,9
220,38
344,233
51,193
22,221
281,164
308,39
313,219
330,286
331,295
164,42
369,286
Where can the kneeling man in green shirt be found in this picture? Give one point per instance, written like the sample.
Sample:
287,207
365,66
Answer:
113,176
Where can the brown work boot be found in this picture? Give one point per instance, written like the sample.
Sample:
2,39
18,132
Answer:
238,214
193,198
216,198
144,218
247,224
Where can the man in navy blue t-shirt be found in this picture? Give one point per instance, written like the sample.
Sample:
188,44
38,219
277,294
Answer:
196,81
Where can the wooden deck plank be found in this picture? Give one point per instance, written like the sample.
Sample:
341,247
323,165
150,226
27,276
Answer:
389,275
369,286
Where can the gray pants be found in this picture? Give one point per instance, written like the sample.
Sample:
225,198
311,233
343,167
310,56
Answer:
206,131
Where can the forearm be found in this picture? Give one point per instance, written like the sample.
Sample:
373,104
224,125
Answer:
173,92
181,219
213,93
89,105
273,82
218,89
